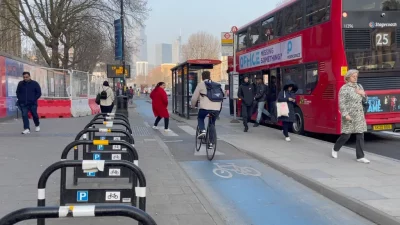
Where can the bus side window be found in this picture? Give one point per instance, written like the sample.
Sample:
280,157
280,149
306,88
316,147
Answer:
242,40
317,11
311,77
279,23
294,18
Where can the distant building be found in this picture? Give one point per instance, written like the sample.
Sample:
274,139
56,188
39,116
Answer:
177,50
163,53
10,34
142,68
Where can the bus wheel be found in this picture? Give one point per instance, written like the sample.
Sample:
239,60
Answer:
298,125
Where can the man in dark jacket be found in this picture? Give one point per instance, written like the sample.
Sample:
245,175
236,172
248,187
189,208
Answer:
28,93
261,97
246,93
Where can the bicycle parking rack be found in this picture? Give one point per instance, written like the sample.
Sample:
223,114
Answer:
114,115
98,155
109,124
76,212
110,118
109,195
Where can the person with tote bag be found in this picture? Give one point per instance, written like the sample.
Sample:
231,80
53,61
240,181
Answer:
285,107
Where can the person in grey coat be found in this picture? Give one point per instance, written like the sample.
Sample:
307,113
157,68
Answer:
351,97
288,95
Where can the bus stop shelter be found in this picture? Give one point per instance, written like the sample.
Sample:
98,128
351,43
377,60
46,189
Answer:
185,78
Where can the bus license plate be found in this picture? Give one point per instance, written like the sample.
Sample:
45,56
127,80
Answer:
383,127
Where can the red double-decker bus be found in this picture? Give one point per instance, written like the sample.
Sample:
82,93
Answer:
314,43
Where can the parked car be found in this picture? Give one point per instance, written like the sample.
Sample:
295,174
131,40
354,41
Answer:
168,92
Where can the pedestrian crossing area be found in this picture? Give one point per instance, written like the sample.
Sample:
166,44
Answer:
192,132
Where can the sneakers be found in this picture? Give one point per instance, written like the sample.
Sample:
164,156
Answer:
363,160
334,154
155,127
26,131
256,125
246,129
37,129
287,139
202,134
210,146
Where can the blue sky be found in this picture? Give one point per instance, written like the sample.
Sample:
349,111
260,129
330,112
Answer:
214,16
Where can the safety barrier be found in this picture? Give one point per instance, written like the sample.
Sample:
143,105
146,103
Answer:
77,211
80,107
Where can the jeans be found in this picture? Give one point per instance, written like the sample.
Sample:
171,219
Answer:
359,144
272,110
203,114
260,110
166,122
286,127
29,108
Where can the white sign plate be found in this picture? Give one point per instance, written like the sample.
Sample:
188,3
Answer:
113,196
117,138
112,172
116,147
115,156
227,50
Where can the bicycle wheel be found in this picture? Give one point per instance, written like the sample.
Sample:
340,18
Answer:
198,141
211,135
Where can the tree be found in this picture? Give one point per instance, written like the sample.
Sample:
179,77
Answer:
390,5
201,45
60,25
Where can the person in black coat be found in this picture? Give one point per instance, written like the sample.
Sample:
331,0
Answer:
288,95
246,93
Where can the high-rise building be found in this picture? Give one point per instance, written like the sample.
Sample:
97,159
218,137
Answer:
177,50
142,68
10,35
163,53
140,38
143,47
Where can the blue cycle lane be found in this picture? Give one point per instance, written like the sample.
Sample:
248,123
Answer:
247,192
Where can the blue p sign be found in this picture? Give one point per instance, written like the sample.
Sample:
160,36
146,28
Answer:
102,138
82,196
91,174
100,147
96,157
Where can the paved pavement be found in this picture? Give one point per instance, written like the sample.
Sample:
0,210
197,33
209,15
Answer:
369,190
172,198
244,190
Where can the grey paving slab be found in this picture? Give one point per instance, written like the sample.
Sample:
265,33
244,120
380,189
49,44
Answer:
360,193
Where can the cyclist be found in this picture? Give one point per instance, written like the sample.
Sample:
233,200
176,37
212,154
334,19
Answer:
206,106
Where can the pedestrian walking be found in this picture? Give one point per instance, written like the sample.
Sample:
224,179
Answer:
352,98
106,98
130,95
261,97
287,95
246,93
159,103
271,99
28,92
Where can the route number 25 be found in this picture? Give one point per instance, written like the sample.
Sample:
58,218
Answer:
382,39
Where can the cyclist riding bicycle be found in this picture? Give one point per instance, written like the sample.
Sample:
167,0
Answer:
207,106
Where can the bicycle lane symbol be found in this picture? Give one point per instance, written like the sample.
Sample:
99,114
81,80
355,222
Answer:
226,170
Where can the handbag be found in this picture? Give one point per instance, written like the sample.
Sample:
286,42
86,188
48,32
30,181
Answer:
98,98
282,108
364,101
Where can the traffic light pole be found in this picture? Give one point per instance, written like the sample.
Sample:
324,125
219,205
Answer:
123,46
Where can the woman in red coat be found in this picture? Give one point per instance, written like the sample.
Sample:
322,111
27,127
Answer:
160,105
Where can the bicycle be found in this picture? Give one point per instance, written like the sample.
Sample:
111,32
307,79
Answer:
211,134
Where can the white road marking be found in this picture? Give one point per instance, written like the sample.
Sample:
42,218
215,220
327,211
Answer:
188,129
168,133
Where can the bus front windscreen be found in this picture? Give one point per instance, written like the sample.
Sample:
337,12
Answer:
371,5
